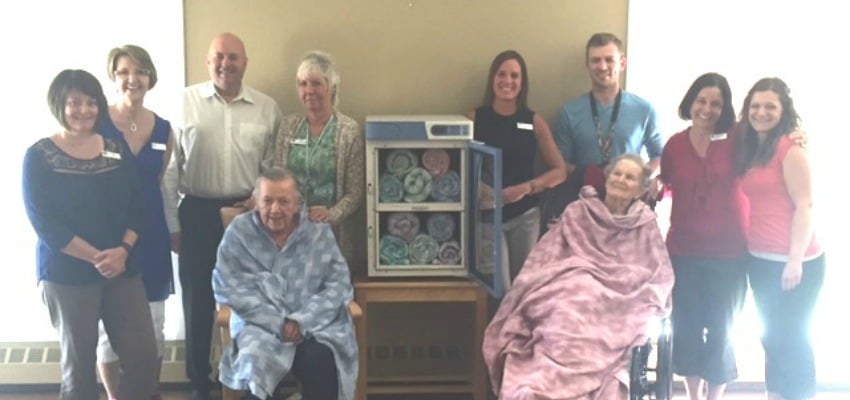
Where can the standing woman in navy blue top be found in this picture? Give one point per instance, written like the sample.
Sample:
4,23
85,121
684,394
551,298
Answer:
506,122
150,139
81,194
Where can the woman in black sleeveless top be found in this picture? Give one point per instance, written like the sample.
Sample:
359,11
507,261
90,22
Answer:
506,122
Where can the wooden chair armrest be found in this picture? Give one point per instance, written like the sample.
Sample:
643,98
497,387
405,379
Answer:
355,310
222,316
228,214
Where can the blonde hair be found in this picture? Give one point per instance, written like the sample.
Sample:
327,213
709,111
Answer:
318,61
139,56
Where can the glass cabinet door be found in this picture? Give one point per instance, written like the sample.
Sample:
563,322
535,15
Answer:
485,218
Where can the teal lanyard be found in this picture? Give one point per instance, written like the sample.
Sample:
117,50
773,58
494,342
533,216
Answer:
311,149
306,134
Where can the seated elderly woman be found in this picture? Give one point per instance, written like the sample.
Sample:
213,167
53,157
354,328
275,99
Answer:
288,286
584,297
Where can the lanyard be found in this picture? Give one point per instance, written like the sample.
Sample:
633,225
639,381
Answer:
309,151
605,138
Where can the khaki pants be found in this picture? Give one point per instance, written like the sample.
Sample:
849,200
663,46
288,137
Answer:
121,303
519,235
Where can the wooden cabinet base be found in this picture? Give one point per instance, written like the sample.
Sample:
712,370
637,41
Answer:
422,336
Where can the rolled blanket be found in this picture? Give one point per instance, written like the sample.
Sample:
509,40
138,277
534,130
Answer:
449,253
404,225
417,185
436,161
423,249
400,162
446,187
391,188
394,250
441,226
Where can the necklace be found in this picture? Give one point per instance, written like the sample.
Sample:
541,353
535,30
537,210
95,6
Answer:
132,116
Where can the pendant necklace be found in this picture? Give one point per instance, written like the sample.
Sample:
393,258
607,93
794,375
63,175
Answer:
131,118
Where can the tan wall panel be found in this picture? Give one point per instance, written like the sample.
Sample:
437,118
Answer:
411,56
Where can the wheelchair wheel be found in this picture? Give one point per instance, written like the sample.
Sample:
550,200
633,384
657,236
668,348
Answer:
661,388
664,366
639,387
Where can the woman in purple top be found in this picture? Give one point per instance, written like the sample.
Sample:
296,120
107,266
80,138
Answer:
150,139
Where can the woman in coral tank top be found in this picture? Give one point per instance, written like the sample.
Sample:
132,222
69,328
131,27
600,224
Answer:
786,265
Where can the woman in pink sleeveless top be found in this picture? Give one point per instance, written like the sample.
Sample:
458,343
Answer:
786,266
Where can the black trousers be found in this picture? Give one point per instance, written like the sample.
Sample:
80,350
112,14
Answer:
315,368
200,221
786,316
707,296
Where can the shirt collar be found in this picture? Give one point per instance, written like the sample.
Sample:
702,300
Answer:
208,91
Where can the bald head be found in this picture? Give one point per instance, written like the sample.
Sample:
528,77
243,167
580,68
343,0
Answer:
226,63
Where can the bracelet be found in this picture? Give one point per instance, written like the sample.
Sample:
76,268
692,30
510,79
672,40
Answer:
532,186
126,246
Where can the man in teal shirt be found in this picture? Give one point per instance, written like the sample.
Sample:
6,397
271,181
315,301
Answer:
602,124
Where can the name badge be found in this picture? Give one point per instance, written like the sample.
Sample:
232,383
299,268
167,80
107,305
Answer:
158,146
111,154
299,141
525,126
718,136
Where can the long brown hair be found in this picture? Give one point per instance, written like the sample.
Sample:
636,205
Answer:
490,95
750,152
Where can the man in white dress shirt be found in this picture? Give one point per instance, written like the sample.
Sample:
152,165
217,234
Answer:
225,129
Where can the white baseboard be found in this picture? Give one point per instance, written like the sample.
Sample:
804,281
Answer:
37,363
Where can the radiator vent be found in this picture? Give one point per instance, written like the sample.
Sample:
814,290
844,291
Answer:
401,352
28,363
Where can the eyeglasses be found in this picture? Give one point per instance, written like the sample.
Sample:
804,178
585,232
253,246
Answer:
125,73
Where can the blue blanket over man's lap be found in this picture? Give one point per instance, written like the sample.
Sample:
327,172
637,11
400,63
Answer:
307,281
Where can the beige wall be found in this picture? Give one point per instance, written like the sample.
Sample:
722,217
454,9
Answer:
407,56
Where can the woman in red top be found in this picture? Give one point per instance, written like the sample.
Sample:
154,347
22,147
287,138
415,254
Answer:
786,264
706,239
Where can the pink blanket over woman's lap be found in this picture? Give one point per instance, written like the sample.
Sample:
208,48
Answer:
583,299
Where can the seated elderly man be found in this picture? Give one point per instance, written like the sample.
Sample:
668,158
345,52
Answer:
584,297
288,287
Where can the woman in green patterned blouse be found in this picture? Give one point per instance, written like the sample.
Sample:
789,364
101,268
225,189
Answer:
324,149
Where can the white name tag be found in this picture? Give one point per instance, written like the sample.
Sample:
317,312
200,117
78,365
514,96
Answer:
110,154
718,136
525,126
300,142
158,146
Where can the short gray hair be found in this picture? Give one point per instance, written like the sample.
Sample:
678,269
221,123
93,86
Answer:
646,172
318,61
275,174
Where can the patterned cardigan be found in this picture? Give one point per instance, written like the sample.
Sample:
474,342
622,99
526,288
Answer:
350,171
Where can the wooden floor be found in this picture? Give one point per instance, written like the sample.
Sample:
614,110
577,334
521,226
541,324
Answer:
184,395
